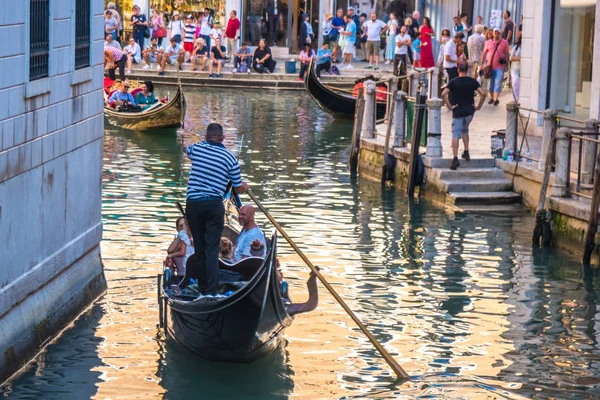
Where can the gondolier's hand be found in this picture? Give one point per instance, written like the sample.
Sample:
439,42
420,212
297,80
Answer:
242,189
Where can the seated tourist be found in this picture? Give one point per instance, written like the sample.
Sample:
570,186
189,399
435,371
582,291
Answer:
226,250
263,60
134,54
145,98
111,42
151,52
174,54
242,59
323,59
199,55
181,248
257,249
122,98
217,58
250,232
306,56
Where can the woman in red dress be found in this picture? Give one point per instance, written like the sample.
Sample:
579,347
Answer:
427,33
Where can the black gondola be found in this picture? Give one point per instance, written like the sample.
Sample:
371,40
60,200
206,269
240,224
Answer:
330,100
242,326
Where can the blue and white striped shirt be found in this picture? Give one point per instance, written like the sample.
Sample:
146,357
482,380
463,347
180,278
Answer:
244,241
213,166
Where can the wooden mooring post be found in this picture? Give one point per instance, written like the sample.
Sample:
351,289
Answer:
359,110
417,127
387,162
590,237
542,230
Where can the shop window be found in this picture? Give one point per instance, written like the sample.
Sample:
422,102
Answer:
82,34
572,55
39,36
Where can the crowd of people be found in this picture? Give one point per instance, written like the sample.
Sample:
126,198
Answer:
404,41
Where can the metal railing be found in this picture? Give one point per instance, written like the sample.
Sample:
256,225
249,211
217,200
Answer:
39,34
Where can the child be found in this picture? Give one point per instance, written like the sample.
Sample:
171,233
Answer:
189,36
226,251
215,32
417,50
257,249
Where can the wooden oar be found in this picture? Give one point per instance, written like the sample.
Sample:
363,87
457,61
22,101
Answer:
388,358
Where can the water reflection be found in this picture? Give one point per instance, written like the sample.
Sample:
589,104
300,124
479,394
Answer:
455,294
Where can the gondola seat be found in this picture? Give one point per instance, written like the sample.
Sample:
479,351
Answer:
243,270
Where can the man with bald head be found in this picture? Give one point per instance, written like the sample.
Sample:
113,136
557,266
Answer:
250,232
212,169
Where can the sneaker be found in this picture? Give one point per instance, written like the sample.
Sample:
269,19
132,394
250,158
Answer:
387,62
349,66
235,70
491,101
249,72
455,164
158,67
466,155
300,79
376,68
211,75
218,76
497,102
161,73
369,67
147,66
128,71
267,71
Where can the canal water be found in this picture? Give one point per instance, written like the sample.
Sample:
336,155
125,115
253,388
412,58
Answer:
460,299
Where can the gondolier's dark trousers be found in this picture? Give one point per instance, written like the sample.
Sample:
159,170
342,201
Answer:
206,220
121,65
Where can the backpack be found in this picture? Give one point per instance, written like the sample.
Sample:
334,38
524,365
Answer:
334,70
243,67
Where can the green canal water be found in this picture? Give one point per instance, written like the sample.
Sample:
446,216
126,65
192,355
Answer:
460,300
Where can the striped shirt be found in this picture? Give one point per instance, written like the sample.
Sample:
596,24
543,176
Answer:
245,239
117,53
212,168
190,31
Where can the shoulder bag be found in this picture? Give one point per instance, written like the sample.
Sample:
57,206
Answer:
488,70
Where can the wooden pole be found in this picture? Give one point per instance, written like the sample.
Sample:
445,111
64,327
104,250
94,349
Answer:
358,120
387,357
415,140
593,221
391,112
539,212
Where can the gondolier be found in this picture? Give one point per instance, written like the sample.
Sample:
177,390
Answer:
212,169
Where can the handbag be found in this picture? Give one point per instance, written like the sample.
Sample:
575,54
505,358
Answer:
488,70
160,33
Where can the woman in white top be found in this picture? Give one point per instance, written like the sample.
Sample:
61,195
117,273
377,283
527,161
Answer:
515,67
390,46
181,248
176,27
134,54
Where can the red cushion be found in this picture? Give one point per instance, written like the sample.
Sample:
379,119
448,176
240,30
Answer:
135,91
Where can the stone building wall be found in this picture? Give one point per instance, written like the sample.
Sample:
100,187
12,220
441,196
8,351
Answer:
51,150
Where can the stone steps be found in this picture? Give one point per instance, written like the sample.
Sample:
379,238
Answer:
476,185
469,173
483,198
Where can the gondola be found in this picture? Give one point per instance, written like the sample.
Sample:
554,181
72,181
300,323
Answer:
330,100
160,115
245,322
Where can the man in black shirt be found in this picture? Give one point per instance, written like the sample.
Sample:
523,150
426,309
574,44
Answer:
509,27
462,104
217,58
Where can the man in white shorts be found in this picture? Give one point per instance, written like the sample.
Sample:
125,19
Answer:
151,53
350,41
